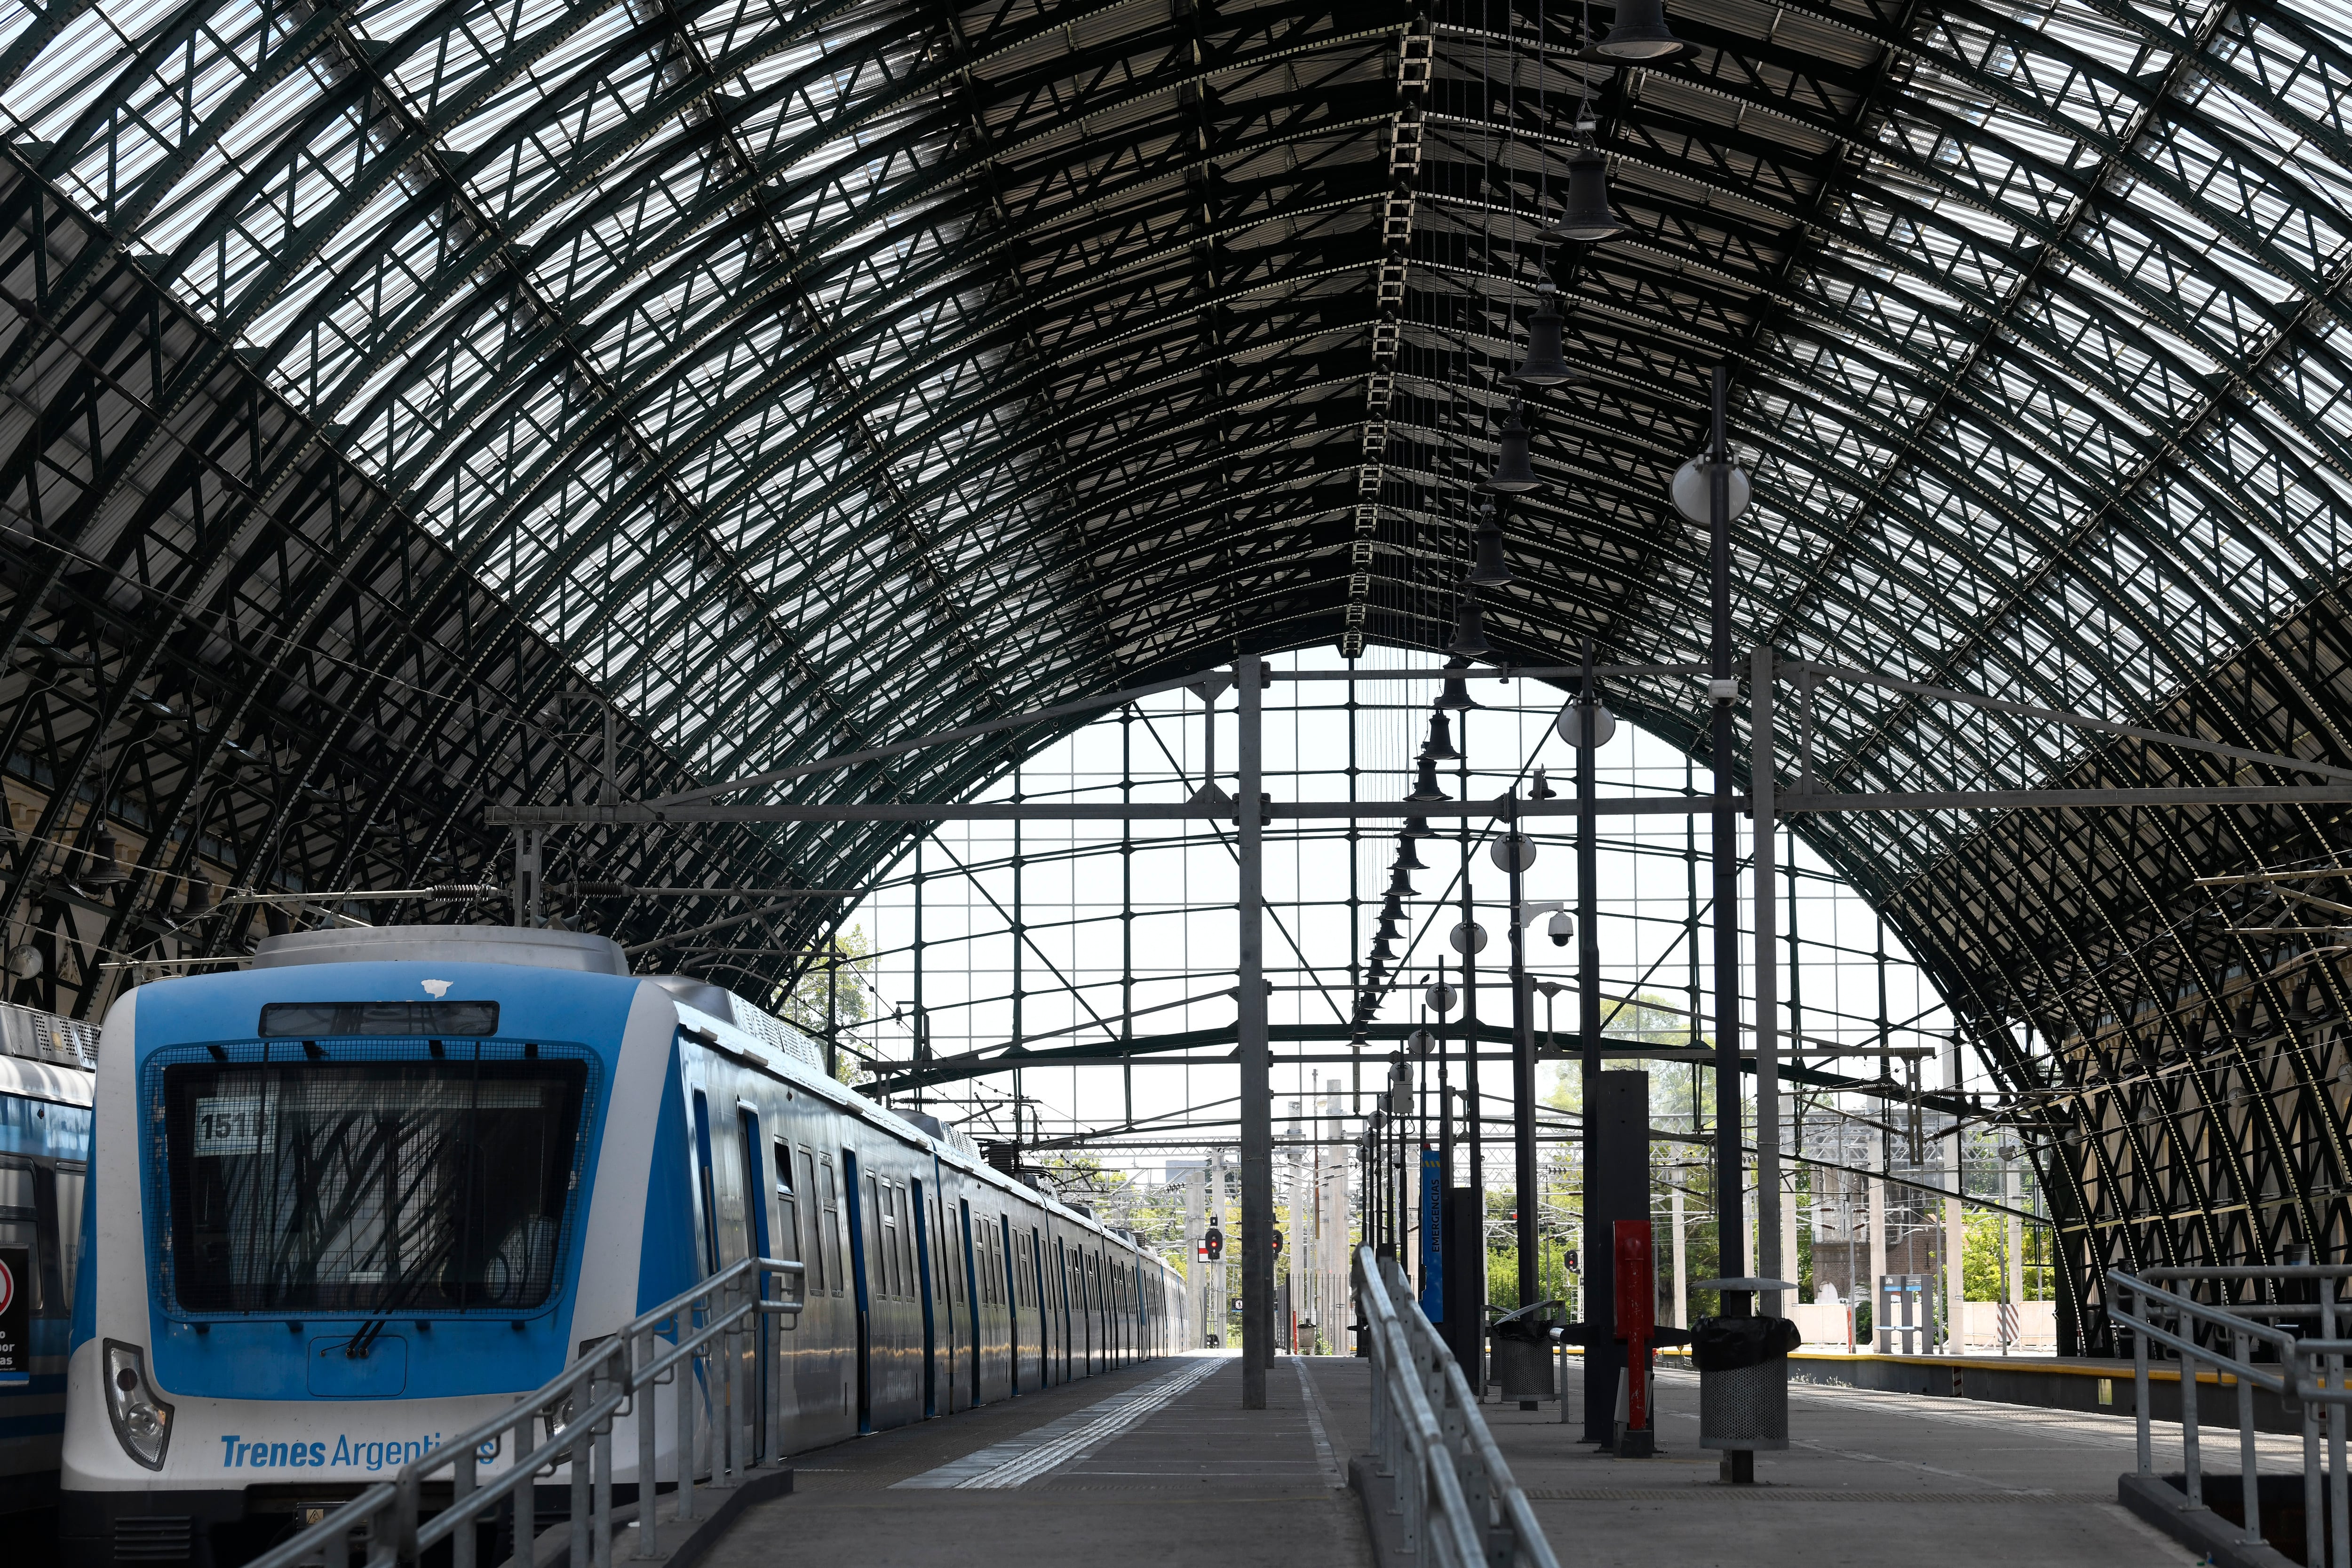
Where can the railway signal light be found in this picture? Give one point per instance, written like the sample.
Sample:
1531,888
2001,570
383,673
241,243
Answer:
1278,1243
1214,1244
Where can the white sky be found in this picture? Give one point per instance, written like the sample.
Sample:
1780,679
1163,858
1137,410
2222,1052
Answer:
1183,952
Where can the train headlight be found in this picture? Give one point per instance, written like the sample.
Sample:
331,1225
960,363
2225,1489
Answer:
142,1423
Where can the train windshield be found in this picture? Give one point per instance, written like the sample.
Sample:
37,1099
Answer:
374,1187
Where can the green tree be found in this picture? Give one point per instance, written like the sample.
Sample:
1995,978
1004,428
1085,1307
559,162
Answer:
834,995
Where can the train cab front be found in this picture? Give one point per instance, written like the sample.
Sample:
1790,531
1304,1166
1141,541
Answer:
324,1236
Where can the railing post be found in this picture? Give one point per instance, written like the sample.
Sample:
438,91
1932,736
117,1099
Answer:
524,1498
2339,1518
2139,1382
461,1487
682,1374
2249,1489
2191,1471
2314,1469
576,1455
643,1403
616,1374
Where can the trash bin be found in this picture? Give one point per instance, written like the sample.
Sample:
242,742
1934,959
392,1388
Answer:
1521,1344
1743,1381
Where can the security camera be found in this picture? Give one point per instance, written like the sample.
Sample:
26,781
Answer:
1560,927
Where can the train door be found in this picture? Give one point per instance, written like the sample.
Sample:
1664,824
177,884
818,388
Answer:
1012,1307
755,1214
942,1297
706,1179
861,1279
1062,1289
972,1289
918,1216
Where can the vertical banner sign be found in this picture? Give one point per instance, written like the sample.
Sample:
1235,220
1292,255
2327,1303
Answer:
1433,1236
16,1314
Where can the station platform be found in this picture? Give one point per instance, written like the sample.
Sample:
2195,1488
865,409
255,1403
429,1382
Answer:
1869,1477
1157,1464
1160,1462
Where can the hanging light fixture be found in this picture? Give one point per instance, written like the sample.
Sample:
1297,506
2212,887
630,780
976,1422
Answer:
1456,694
1470,631
103,870
1588,215
1406,857
1418,827
1425,786
199,896
1513,473
1381,952
1639,33
1440,743
1400,884
1390,909
1387,928
1542,790
1488,567
1545,364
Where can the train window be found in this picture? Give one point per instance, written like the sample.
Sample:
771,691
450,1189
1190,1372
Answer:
870,1218
392,1185
906,1244
890,1229
832,1229
20,1229
788,1227
814,1258
413,1019
940,1252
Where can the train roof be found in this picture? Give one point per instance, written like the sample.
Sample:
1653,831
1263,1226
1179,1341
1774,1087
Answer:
721,1019
30,1034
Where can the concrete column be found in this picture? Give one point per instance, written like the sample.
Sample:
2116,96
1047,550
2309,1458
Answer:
1249,1026
1789,1255
2012,1194
1681,1319
1956,1292
1294,1240
1878,1221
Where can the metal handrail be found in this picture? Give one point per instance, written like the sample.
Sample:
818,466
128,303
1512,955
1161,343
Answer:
1457,1502
576,1410
2309,1370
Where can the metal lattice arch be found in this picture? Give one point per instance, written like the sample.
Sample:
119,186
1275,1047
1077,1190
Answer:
389,387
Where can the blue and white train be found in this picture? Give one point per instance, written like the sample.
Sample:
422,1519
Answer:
363,1194
45,1114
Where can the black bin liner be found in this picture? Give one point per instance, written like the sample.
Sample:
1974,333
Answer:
1532,1325
1730,1344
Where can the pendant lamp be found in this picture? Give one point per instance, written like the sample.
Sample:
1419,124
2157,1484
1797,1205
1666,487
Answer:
104,870
1545,364
1512,474
1425,786
199,896
1400,884
1588,217
1417,828
1640,33
1456,694
1488,569
1542,790
1381,952
1469,631
1441,739
1406,857
1387,927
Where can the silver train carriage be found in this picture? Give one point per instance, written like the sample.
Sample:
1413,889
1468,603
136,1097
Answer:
363,1194
46,1069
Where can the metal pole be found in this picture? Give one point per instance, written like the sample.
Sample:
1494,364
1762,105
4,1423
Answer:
1257,1088
1523,1075
1598,1297
1731,1205
1761,766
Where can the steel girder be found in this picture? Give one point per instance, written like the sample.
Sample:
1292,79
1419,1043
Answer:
385,383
